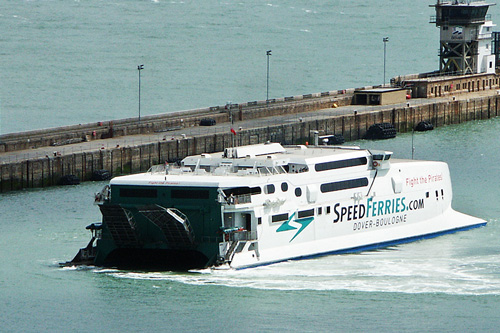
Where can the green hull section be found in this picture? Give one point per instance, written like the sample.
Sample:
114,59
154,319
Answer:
162,227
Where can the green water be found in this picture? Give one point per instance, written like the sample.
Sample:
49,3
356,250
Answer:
451,283
75,61
67,62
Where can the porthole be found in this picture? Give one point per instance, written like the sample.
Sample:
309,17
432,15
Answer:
298,192
284,187
270,189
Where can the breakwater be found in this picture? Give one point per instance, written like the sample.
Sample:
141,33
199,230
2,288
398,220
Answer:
126,159
171,121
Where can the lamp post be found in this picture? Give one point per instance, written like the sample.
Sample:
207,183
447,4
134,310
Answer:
230,111
139,68
268,53
385,40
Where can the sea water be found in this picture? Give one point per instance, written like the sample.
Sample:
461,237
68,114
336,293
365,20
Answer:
450,283
75,61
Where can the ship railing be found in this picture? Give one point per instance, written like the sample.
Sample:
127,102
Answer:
159,169
249,235
243,235
276,170
240,199
235,199
238,234
103,196
166,169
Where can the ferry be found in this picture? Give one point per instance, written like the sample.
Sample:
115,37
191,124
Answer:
265,203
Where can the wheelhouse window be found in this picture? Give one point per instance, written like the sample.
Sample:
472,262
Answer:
340,164
344,185
138,192
189,194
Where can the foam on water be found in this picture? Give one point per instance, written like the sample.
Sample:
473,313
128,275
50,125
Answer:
431,266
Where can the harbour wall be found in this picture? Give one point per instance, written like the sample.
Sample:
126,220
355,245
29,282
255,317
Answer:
47,171
166,122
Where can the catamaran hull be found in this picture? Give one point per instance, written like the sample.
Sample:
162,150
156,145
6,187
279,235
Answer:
371,240
260,204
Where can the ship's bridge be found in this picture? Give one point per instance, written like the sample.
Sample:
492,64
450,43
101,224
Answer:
272,158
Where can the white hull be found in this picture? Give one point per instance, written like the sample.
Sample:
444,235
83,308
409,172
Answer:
260,204
369,240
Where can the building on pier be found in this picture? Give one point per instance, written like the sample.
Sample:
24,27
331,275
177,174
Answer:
465,37
468,53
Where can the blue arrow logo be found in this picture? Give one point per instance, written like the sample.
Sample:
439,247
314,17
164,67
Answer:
303,221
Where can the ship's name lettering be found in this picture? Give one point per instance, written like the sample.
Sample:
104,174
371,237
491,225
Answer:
374,223
376,208
352,212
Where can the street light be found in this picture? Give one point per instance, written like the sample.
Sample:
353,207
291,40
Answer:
385,40
139,68
268,53
228,107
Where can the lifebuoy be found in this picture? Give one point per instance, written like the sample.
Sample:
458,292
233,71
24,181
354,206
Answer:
375,164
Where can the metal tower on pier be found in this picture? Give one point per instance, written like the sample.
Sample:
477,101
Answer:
465,37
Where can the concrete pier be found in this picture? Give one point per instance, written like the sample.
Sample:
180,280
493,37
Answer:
29,160
171,121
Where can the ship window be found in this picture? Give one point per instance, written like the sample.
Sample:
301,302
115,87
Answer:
279,217
305,213
328,209
189,194
340,164
426,194
242,191
138,193
344,185
259,220
298,192
320,210
270,189
284,187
